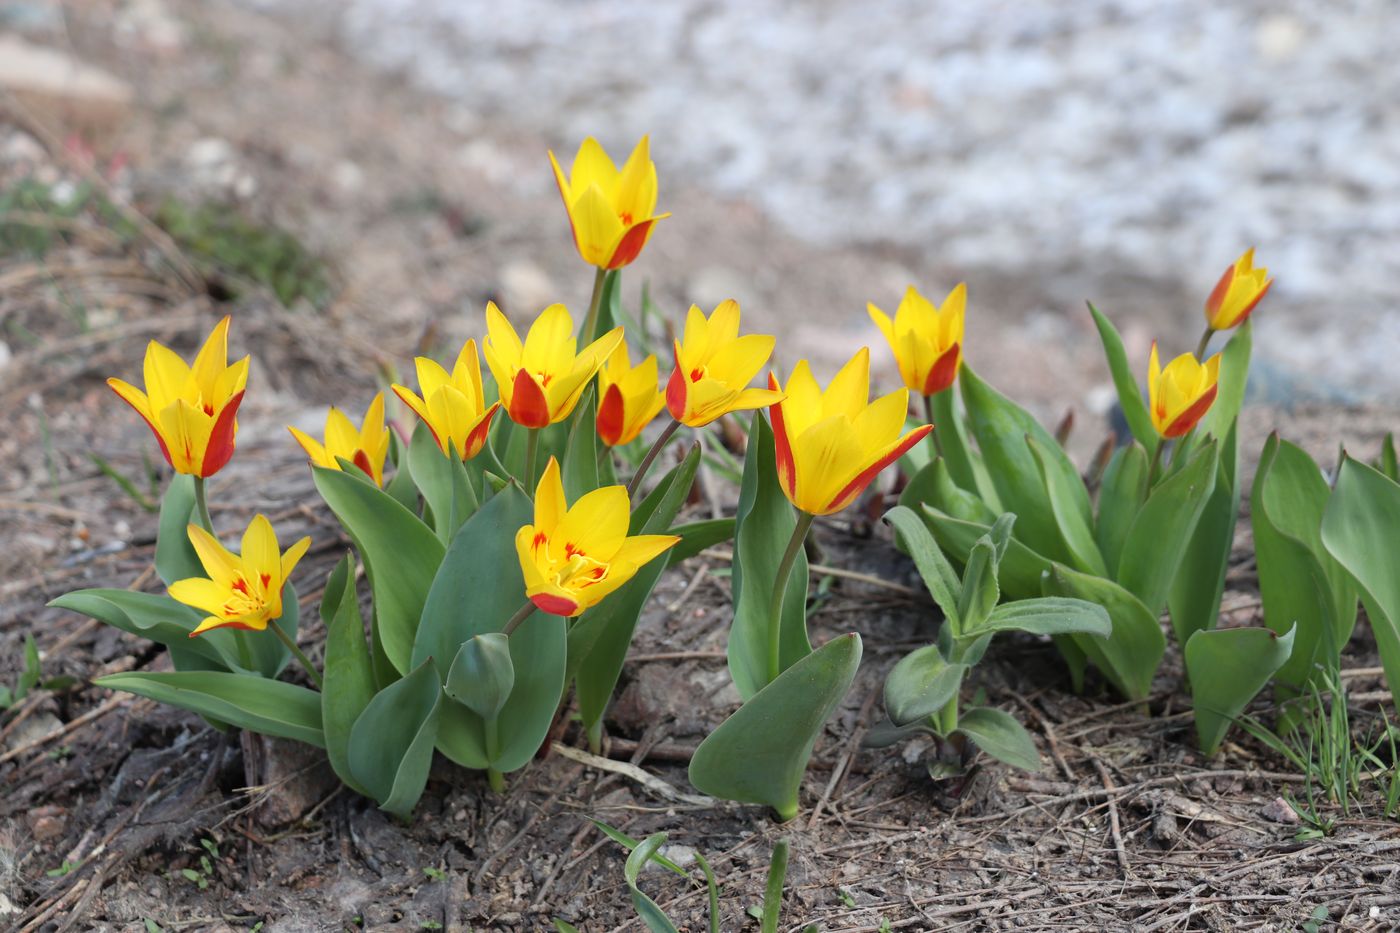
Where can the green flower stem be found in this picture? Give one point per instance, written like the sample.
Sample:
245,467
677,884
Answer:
773,891
780,582
201,506
1156,462
1205,342
297,653
521,615
496,779
636,485
532,446
933,435
590,323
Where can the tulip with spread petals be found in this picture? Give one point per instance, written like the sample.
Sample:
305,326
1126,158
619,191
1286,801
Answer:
610,211
1180,395
926,340
452,406
542,379
242,591
192,410
573,556
1240,288
629,397
366,447
714,366
831,443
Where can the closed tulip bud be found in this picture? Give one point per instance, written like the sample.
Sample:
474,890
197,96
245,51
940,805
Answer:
927,341
242,590
452,406
714,366
628,397
542,379
192,410
366,447
610,211
1240,288
831,443
1180,395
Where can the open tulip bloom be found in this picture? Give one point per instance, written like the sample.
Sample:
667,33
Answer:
542,379
1180,395
365,447
610,211
628,397
927,341
714,366
452,406
244,590
1236,294
192,410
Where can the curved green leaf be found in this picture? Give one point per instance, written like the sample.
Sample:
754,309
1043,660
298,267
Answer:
938,575
349,674
444,481
391,743
1196,591
1130,655
998,734
920,685
1064,487
1125,382
579,468
1122,494
697,536
269,707
1020,568
964,465
482,674
1234,375
1157,541
175,556
146,615
1228,667
655,919
1049,615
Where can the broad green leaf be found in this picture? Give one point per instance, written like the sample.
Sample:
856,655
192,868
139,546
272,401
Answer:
1001,428
1196,591
1359,531
444,482
668,495
964,465
998,734
349,674
1130,655
175,556
1076,528
655,919
920,685
1126,383
980,592
146,615
400,486
401,556
697,536
759,754
269,707
477,589
1122,494
391,743
1234,375
1227,668
934,486
885,733
938,575
1020,570
1049,615
1157,541
579,468
1389,464
482,674
763,525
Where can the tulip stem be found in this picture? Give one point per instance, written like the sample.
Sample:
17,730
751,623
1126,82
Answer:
521,615
590,323
635,486
532,446
298,654
1156,461
780,582
492,734
933,435
1205,342
201,506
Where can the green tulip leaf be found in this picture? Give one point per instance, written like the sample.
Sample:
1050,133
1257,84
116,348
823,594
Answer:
1064,487
697,536
1388,464
579,468
391,743
1234,375
349,674
934,486
444,481
482,674
1126,383
885,733
146,615
655,919
1194,599
1049,615
1130,655
999,734
980,592
400,487
920,685
759,754
1227,668
938,575
175,555
1020,569
268,707
1122,494
1162,530
965,467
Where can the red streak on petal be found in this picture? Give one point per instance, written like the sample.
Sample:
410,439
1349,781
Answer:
220,448
787,469
244,626
568,209
1249,307
266,579
540,538
240,586
856,486
944,371
555,605
1188,418
1222,288
361,460
528,406
630,246
477,438
610,416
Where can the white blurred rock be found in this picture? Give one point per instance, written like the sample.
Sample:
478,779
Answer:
217,170
526,289
69,95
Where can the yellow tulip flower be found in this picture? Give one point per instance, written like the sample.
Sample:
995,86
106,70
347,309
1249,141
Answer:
366,447
1180,395
927,341
242,590
1240,288
610,211
542,379
452,406
192,410
832,443
628,397
573,556
714,366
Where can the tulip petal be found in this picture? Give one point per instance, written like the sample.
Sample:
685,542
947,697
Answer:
611,412
550,506
167,377
597,226
218,562
219,445
549,344
502,338
593,166
944,371
635,196
292,556
849,390
200,593
632,242
529,407
595,525
556,601
1193,413
212,360
314,449
857,485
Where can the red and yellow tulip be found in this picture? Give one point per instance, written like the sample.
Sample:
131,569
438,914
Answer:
366,447
832,443
242,590
610,211
1240,288
452,406
573,556
714,366
927,341
192,410
1180,395
628,397
542,379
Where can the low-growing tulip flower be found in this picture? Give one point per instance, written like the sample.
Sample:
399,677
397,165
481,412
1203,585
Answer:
542,379
573,556
628,397
243,590
714,366
1180,395
366,447
192,410
832,443
927,341
452,406
610,211
1240,288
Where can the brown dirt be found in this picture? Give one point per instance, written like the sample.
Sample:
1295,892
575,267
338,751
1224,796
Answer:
1125,828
